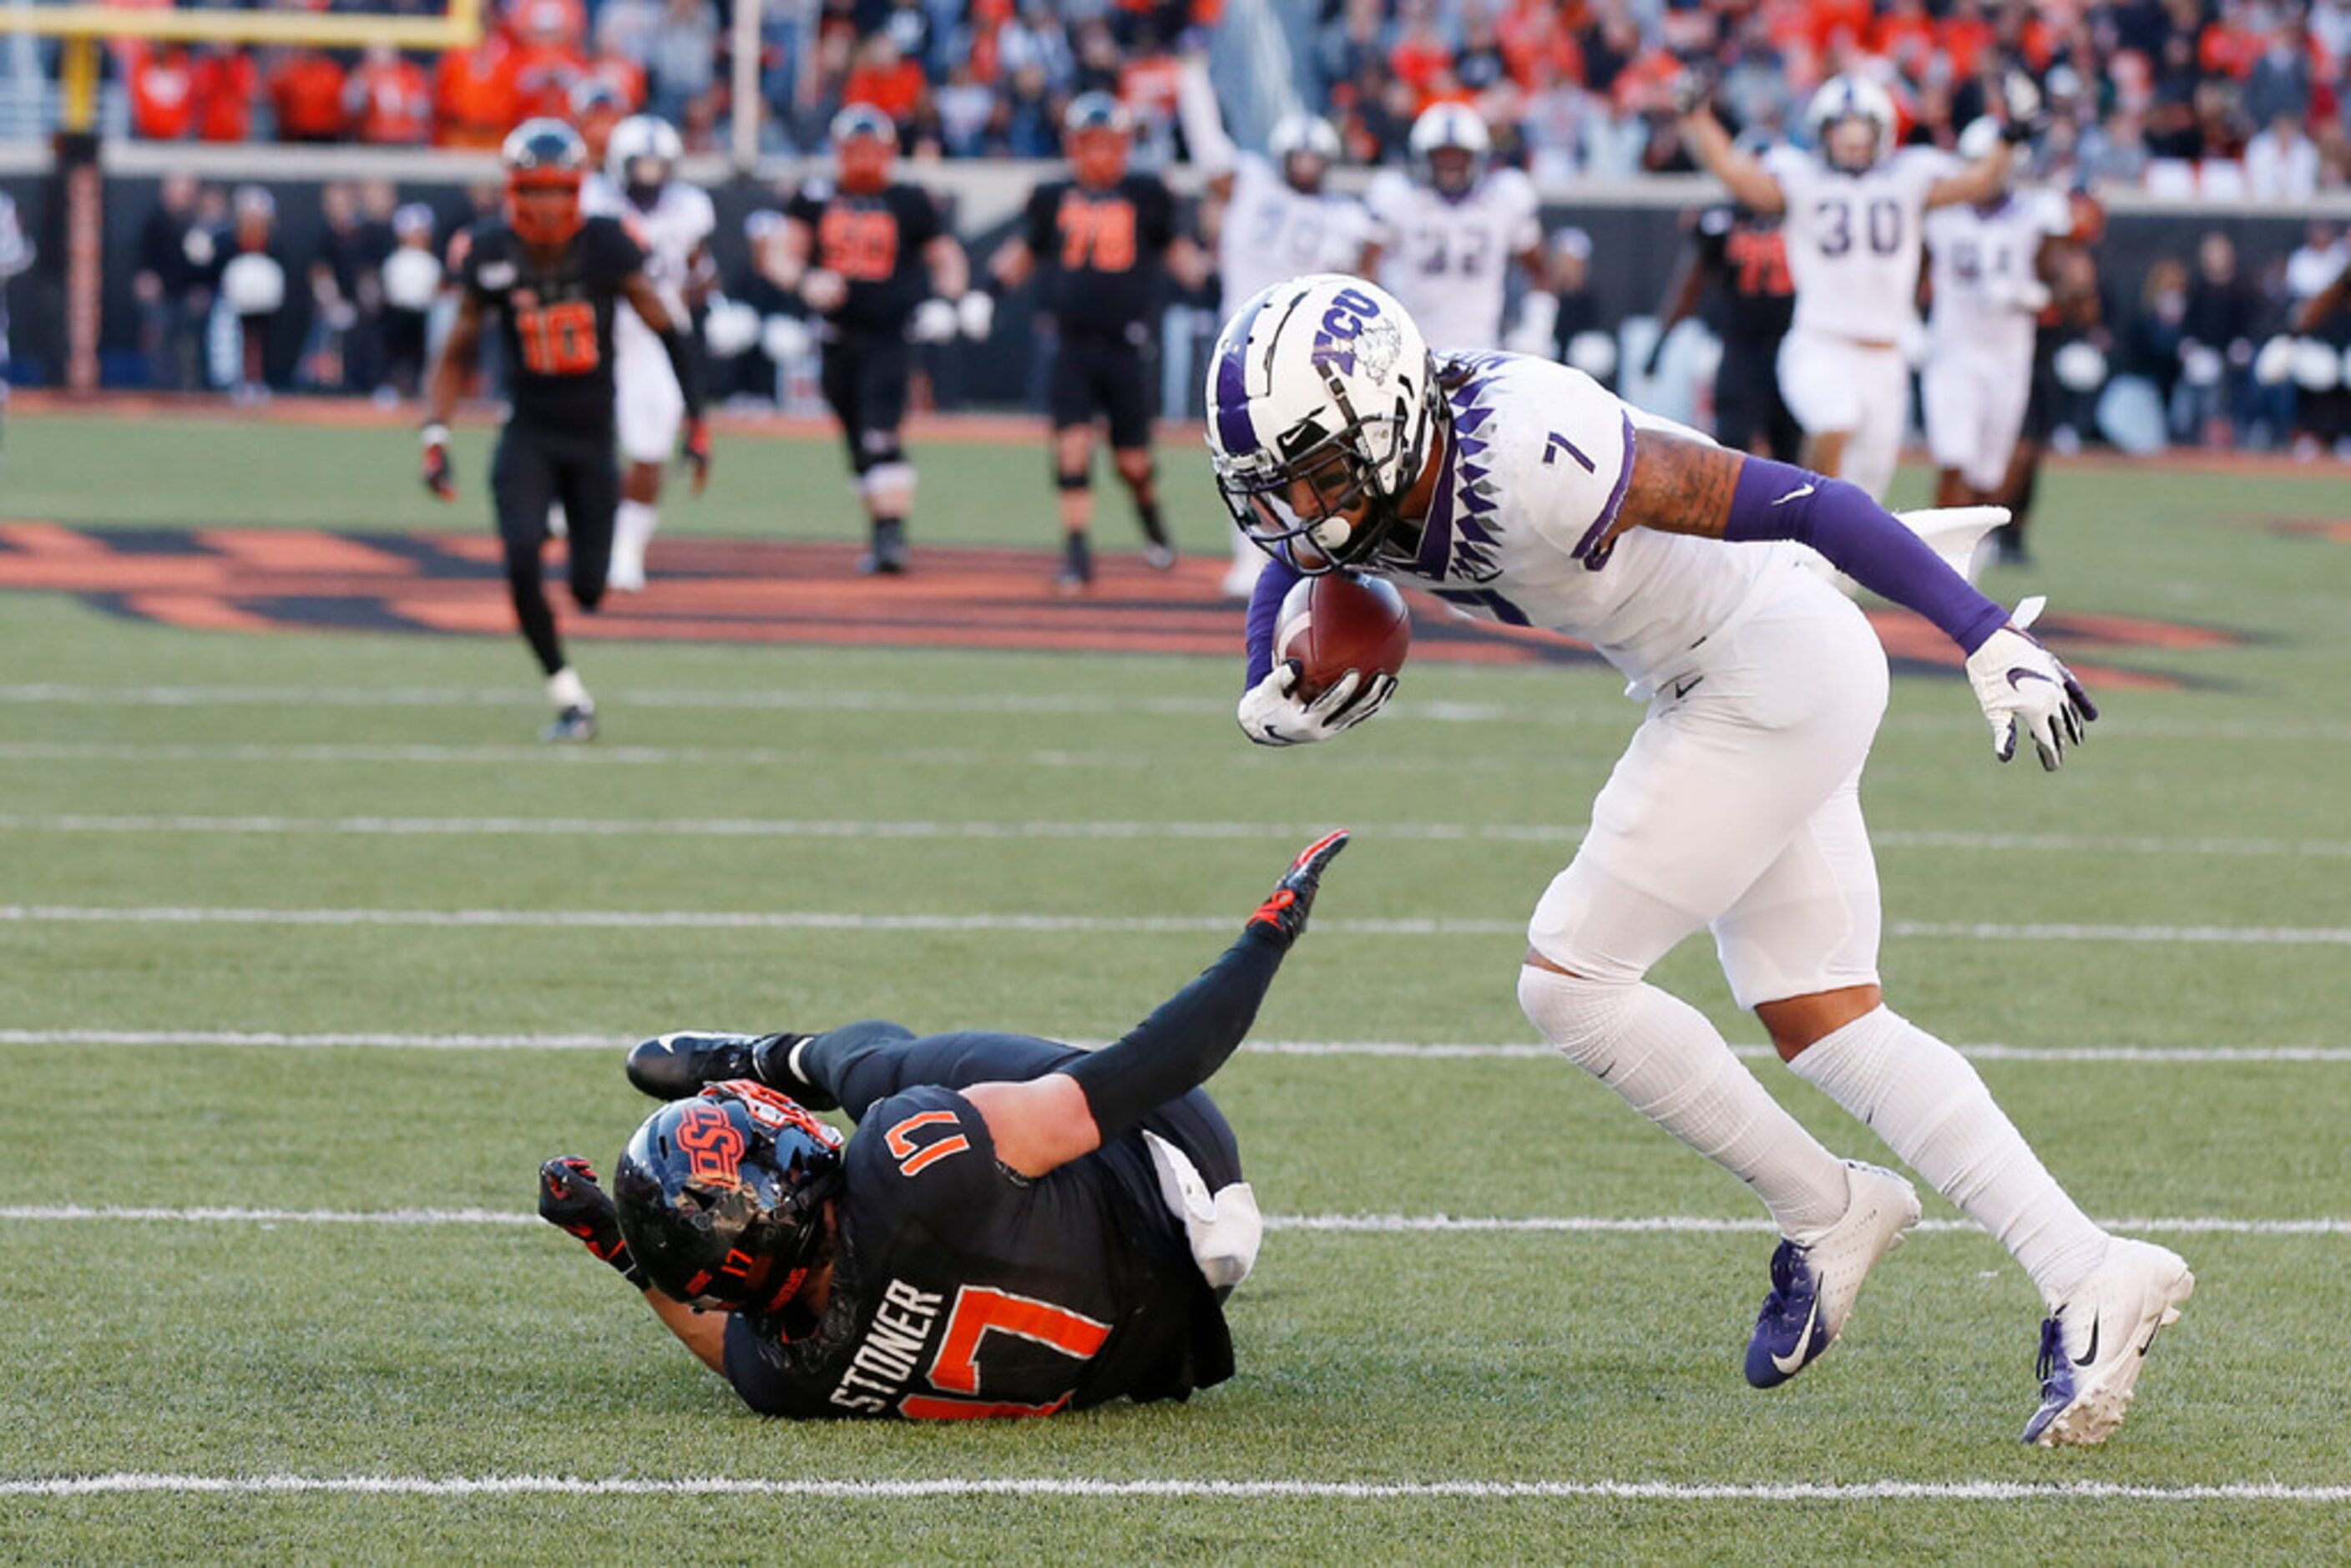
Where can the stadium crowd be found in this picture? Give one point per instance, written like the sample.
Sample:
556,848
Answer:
2222,97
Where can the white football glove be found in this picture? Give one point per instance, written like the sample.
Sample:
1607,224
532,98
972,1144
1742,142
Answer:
976,313
824,291
2018,681
1271,715
933,322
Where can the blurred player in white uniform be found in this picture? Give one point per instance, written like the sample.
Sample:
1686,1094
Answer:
16,256
1856,210
1444,240
1519,490
1987,300
673,220
1272,219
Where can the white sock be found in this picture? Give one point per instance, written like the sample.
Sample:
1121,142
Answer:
565,689
1928,1102
1673,1067
633,523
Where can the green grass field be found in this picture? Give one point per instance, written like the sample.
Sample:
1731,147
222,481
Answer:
2180,889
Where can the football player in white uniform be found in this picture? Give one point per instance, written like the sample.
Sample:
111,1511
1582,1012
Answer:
673,220
1521,491
1988,295
1272,219
1444,243
16,256
1855,212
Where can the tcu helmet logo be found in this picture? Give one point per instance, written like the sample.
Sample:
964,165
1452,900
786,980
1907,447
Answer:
714,1148
1353,332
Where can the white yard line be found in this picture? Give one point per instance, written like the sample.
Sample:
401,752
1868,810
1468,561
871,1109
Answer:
1503,1051
66,693
857,828
1328,1224
139,1482
820,920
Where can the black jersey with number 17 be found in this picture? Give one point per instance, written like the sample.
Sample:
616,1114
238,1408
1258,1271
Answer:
556,321
960,1290
1103,251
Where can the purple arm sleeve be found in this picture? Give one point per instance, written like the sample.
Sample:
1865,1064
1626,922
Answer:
1862,538
1265,603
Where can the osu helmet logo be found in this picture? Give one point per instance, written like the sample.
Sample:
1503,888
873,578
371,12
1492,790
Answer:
713,1146
1352,331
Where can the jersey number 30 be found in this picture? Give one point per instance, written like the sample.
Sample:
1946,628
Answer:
558,339
1882,216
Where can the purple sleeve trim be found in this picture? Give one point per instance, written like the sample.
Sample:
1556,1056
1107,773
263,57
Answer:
1265,605
1589,549
1862,538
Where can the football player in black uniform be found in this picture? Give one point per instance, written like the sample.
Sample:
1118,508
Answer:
1104,236
1018,1226
871,256
551,275
1744,252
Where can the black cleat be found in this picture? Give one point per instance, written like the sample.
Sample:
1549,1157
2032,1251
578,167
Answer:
886,556
1077,573
679,1066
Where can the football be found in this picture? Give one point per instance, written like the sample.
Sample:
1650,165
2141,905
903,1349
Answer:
1340,622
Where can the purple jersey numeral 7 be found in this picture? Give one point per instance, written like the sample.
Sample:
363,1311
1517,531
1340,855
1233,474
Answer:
1558,443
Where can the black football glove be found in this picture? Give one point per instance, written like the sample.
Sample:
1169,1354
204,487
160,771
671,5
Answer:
695,452
570,1200
1285,913
440,473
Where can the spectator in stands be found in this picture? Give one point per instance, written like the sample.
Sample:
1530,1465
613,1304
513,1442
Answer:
2281,162
411,275
388,100
550,56
226,85
172,283
306,94
252,296
2279,81
683,60
883,77
344,351
2158,330
163,92
2221,316
474,102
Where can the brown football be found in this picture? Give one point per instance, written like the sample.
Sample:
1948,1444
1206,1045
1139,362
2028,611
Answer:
1340,622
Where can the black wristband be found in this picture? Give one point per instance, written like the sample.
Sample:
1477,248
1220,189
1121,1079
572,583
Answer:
2016,132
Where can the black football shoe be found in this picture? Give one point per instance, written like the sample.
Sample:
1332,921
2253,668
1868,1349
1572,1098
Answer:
679,1066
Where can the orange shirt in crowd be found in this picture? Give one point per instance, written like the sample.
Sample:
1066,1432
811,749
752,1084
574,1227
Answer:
224,83
623,75
473,95
543,78
390,102
896,92
306,93
162,93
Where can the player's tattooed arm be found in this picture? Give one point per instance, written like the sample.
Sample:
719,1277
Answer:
1736,168
1678,487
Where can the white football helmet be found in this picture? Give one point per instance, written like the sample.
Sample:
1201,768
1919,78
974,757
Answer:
1449,128
641,156
1303,135
1322,410
1850,96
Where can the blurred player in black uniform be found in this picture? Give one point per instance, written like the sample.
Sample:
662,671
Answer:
2075,312
551,274
1018,1228
871,258
1104,235
1743,253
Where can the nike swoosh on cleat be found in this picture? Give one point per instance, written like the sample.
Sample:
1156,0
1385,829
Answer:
1790,1366
1795,495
